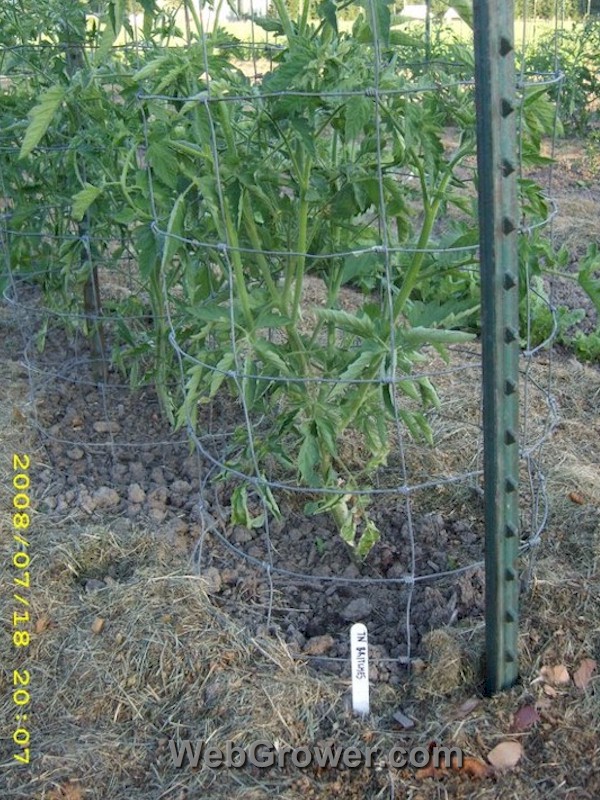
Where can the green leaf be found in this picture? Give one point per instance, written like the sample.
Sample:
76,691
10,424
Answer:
417,425
401,39
83,200
368,538
153,66
359,111
357,326
589,266
270,25
378,18
365,362
429,396
326,432
327,10
146,250
40,118
308,456
212,312
291,71
174,231
220,372
268,352
164,163
419,336
464,9
270,319
240,514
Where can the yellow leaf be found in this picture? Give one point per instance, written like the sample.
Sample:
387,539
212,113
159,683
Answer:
557,674
42,623
97,625
506,755
583,674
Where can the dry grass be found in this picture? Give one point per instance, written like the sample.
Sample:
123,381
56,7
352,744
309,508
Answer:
167,664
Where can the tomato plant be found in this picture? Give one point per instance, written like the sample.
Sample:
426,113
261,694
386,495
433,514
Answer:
349,159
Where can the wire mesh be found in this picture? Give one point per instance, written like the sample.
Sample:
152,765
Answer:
310,211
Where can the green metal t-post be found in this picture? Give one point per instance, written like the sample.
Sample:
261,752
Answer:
495,94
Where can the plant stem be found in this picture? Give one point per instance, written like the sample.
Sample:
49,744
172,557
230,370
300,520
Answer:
285,20
432,209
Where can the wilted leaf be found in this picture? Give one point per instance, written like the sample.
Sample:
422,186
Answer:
470,767
583,674
550,691
557,675
506,755
83,200
318,645
70,790
18,416
467,707
42,623
97,625
525,718
474,768
40,118
405,722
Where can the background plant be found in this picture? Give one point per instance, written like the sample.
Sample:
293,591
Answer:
576,54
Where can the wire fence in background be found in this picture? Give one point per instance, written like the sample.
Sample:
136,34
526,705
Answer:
295,269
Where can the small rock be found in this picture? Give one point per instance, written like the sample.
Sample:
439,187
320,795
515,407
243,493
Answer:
97,625
405,722
157,498
105,497
177,527
158,476
137,471
190,466
61,504
94,585
356,609
241,535
318,645
106,426
87,503
75,453
229,576
118,472
134,510
158,514
136,494
181,487
148,456
351,571
211,580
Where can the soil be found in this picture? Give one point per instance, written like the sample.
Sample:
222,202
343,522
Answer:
110,454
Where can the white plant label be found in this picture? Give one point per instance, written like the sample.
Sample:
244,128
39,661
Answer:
359,649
